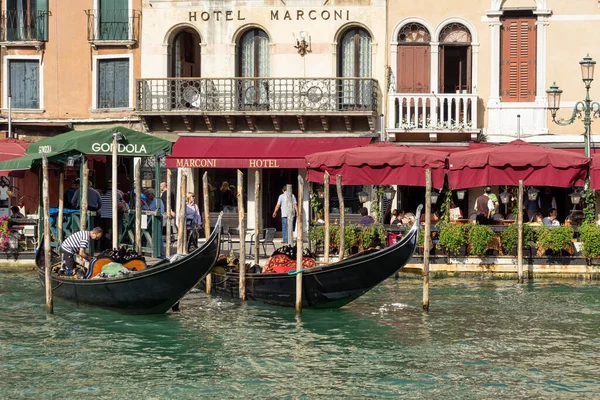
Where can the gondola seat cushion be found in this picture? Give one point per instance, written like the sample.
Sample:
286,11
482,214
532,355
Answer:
280,263
96,265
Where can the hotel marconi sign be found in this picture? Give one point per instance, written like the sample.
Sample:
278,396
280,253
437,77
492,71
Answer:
275,15
235,163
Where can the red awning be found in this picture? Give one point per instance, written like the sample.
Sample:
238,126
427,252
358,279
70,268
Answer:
9,149
507,164
595,171
252,152
379,164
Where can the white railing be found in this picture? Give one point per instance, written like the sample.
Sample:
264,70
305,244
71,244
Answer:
447,111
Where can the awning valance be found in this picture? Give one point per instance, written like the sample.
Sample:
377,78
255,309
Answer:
252,152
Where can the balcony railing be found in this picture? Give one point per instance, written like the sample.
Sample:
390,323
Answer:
286,95
444,111
113,25
23,26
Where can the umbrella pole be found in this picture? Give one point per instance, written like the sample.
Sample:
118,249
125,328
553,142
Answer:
115,215
299,242
61,205
168,216
338,183
520,233
427,238
138,204
326,212
83,219
242,229
47,237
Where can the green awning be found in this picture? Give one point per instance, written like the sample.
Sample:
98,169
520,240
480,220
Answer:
99,142
89,142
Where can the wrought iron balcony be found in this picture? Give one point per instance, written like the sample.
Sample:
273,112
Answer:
23,26
271,97
110,25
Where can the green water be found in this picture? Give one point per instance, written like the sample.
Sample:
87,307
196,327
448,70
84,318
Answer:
482,339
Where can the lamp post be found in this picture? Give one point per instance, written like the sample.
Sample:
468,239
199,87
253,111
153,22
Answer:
586,106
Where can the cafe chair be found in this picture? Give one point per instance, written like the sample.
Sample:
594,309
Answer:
497,217
265,238
473,216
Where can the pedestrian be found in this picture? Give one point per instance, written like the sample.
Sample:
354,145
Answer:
152,201
76,244
193,219
106,214
94,199
365,219
68,197
483,207
282,204
225,198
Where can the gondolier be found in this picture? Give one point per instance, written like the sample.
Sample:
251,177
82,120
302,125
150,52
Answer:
76,244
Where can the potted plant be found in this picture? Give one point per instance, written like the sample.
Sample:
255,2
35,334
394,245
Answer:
352,238
510,238
316,235
452,237
373,235
479,238
556,239
590,237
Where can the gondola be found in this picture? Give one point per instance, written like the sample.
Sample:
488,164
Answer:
153,290
328,286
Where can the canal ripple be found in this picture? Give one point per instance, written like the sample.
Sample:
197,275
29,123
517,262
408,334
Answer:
481,339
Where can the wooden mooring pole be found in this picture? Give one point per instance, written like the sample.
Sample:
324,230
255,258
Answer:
289,199
181,228
520,233
326,217
83,190
137,165
115,212
256,216
299,243
61,205
242,229
427,239
168,216
206,221
47,237
338,183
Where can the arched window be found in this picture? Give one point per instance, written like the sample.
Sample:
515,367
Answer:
253,62
355,61
185,54
414,59
455,59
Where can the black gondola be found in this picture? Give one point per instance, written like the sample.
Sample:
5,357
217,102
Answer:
153,290
329,286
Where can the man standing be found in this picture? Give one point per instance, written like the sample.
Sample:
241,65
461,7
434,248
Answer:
282,204
152,202
483,207
106,213
76,244
94,200
70,192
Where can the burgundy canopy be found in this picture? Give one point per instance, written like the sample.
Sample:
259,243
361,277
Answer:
595,171
9,149
379,164
506,164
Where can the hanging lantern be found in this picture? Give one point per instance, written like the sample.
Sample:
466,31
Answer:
575,197
434,196
389,193
532,194
505,197
363,196
460,194
320,193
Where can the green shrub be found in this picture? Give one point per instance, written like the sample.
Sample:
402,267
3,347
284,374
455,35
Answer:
479,237
352,235
590,237
452,237
374,235
555,239
510,237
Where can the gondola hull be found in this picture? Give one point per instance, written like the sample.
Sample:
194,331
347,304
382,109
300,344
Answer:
153,290
330,286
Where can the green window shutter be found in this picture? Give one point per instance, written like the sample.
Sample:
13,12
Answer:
41,20
24,83
113,83
114,20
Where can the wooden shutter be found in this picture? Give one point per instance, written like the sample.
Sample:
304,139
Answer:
414,64
41,20
518,59
24,84
113,83
114,17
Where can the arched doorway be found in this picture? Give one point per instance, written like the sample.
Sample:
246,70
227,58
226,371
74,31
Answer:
355,61
185,54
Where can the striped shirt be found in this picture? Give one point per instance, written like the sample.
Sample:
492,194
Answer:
78,240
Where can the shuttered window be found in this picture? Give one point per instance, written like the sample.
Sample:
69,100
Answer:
24,85
26,20
518,59
356,62
113,83
254,63
114,17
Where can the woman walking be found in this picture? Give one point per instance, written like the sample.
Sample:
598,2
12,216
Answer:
193,221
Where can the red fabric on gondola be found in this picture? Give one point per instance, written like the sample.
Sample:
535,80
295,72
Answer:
518,160
252,152
379,164
9,149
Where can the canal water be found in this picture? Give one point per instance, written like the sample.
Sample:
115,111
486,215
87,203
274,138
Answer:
482,339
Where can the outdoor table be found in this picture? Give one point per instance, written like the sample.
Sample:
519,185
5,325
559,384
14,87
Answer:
462,221
504,222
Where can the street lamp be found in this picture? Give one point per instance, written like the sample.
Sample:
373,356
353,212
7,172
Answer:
460,194
575,197
434,196
389,193
504,197
532,194
363,196
586,106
